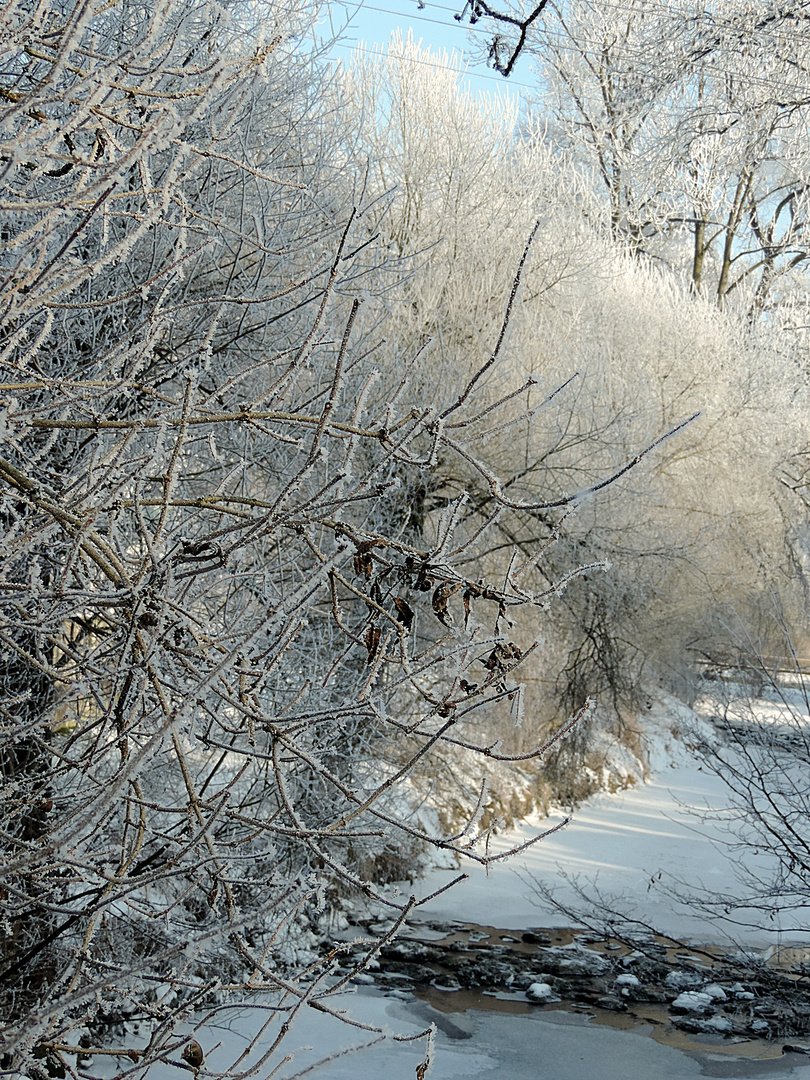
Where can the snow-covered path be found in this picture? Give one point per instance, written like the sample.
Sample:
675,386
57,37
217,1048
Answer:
637,846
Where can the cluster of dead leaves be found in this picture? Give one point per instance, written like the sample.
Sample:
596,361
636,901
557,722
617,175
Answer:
421,576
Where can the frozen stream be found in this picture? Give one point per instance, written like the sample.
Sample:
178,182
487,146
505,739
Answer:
487,1046
631,846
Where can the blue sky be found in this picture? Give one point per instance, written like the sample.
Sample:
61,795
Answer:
373,21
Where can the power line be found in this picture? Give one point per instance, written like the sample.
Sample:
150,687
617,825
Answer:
461,72
559,42
610,5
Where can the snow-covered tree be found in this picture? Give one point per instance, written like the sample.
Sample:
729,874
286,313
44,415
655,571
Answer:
692,121
645,353
226,651
291,416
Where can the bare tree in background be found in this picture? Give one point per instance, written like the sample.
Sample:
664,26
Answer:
692,121
686,541
759,707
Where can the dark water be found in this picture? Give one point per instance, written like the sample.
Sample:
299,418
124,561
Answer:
728,1055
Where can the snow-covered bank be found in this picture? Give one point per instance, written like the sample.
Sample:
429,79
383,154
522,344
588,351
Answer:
635,847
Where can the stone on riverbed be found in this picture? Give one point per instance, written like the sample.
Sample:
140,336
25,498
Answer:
611,1003
692,1001
412,951
627,980
542,993
574,961
720,1024
682,980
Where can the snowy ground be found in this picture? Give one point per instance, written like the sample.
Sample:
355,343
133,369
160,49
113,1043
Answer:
638,847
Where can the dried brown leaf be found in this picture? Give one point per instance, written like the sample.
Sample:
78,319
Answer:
373,635
405,613
363,565
439,602
501,656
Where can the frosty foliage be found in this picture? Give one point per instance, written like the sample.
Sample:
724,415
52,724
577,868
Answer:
228,642
759,747
302,381
690,120
611,352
